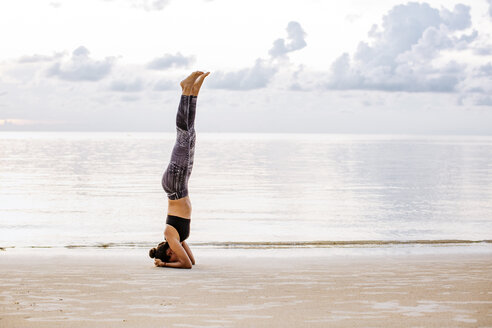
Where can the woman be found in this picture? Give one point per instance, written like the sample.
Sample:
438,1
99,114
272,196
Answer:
175,252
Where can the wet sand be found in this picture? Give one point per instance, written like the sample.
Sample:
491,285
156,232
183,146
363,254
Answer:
114,289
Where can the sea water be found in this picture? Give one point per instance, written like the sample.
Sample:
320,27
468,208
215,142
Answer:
67,189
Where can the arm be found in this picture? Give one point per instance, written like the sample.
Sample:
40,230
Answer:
188,251
177,265
183,259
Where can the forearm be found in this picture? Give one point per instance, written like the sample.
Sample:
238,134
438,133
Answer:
177,265
188,251
192,258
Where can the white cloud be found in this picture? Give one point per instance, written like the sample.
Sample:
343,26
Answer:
483,50
130,98
490,7
263,71
254,77
485,70
295,41
484,101
168,61
153,4
149,5
39,58
127,85
164,85
458,19
81,67
400,56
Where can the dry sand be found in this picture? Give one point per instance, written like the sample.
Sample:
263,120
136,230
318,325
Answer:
114,289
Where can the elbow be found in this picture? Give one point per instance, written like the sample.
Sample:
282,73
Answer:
186,265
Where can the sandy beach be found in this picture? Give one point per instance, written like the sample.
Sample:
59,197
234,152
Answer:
115,289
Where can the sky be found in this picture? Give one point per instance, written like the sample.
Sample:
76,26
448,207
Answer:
276,66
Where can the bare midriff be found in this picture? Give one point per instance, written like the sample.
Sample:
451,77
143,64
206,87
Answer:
180,207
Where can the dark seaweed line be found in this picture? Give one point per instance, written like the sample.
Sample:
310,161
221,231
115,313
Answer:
280,244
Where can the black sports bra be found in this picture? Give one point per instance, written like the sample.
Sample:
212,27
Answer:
182,225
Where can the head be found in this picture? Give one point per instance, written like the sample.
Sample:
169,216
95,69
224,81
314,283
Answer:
163,253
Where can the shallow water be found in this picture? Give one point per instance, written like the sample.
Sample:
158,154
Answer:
89,189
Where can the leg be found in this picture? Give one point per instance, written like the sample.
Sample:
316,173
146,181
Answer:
191,118
175,178
191,125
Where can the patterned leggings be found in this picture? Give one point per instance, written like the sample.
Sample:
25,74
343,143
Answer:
175,178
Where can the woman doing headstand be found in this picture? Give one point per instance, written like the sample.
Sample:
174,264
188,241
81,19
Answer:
175,252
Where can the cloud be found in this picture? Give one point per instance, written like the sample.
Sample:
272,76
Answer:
39,58
81,67
485,70
126,86
458,19
352,17
149,5
484,101
483,50
130,98
295,41
263,71
168,61
154,4
164,85
400,56
490,7
255,77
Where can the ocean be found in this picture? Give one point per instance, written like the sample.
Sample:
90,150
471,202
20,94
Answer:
74,189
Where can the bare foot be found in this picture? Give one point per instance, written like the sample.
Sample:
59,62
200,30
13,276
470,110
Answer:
187,84
198,84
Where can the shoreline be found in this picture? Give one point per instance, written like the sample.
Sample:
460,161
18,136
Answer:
243,288
329,249
277,244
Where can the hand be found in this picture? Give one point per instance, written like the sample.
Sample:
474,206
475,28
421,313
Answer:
159,263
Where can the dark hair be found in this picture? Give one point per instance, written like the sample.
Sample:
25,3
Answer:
160,252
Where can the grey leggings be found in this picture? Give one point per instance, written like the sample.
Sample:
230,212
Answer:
175,178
